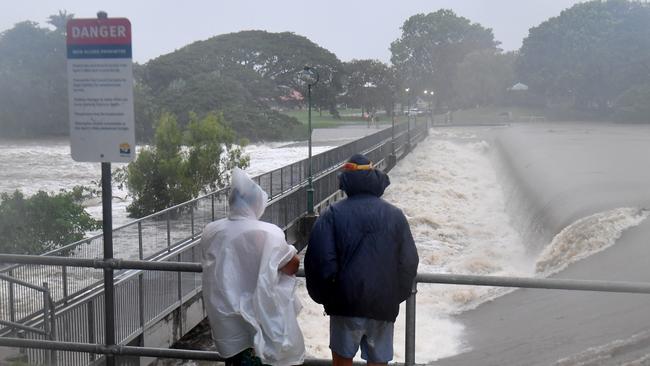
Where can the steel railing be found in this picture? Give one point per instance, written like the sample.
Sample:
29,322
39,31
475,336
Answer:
161,232
410,334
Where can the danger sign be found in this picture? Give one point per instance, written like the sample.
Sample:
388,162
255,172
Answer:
100,90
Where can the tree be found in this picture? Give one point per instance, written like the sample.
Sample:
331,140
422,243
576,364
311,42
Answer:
33,82
182,164
42,222
60,21
432,45
483,77
262,62
370,84
589,54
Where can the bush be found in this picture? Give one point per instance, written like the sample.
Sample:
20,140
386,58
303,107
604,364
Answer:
42,222
182,164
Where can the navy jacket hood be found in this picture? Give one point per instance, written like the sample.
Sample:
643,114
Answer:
372,182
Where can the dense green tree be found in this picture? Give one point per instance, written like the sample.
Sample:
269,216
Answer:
483,77
181,164
590,53
369,84
43,221
33,81
262,62
246,115
431,47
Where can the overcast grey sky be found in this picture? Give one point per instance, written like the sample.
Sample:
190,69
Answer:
349,28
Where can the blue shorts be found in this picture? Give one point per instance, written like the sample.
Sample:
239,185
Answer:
374,336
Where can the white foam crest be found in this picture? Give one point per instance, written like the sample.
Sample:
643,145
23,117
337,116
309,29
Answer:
600,355
587,236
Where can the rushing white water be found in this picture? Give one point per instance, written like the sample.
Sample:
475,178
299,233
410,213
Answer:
33,165
449,191
587,236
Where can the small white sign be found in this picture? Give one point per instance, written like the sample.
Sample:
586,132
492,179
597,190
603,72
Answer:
100,90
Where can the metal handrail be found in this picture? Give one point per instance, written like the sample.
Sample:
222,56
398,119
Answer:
432,278
496,281
400,128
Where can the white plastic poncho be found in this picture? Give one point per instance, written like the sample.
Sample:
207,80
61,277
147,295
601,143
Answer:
250,303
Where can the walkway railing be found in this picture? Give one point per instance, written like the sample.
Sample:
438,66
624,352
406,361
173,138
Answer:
158,234
142,297
410,336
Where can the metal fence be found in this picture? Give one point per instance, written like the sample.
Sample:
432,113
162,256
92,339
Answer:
166,236
75,349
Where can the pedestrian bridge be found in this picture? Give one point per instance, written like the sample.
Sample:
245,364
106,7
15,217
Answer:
60,301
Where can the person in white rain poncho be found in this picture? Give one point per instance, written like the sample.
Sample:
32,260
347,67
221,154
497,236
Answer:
249,283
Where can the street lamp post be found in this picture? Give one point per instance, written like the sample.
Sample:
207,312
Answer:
430,95
408,118
392,158
310,76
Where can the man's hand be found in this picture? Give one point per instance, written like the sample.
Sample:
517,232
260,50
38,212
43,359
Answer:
292,266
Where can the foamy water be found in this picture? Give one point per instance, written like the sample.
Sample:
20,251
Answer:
33,165
449,191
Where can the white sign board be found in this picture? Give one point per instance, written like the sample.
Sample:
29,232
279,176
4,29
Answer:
100,90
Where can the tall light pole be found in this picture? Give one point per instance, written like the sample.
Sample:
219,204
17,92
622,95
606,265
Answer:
429,95
408,118
310,76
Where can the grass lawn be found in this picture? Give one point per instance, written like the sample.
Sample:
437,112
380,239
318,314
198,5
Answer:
350,116
493,114
326,120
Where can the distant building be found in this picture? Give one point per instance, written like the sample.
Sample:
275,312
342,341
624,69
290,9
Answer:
518,87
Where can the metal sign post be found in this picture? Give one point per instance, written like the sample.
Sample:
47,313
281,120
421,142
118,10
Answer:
102,128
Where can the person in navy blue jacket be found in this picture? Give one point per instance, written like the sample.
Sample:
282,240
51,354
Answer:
360,264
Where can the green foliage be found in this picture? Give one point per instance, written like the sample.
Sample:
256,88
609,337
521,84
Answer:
181,164
483,78
42,222
33,81
252,68
589,54
369,84
432,45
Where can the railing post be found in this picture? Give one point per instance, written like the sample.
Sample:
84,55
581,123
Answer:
64,278
12,299
140,248
282,180
192,220
180,279
212,202
409,351
180,299
141,300
49,355
169,237
91,325
271,184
